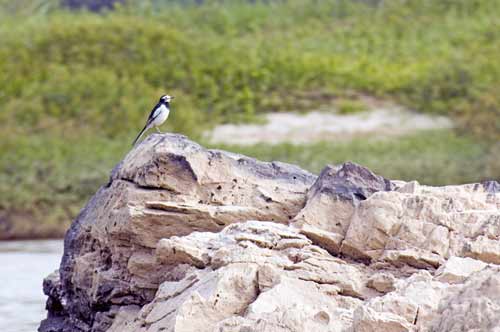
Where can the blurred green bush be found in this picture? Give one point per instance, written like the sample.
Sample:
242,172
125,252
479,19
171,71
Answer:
235,59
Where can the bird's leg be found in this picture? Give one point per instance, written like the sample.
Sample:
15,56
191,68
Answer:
158,130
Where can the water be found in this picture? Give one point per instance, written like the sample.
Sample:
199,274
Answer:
23,265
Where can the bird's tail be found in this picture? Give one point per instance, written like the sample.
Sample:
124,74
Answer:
146,127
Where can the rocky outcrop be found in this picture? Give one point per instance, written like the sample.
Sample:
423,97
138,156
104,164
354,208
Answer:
188,239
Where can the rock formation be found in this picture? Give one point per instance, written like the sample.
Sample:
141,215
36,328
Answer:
188,239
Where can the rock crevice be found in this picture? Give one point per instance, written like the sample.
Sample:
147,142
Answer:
188,239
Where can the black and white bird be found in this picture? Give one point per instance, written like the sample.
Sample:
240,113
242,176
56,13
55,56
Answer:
158,115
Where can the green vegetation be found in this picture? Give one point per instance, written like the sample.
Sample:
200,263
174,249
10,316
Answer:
233,59
432,157
349,106
75,87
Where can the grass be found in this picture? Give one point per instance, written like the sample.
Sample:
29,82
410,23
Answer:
45,181
349,106
75,87
235,59
431,157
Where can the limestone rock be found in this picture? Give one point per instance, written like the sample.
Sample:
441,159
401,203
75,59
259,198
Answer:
457,269
383,282
166,186
425,226
187,239
369,320
332,200
473,307
415,299
259,274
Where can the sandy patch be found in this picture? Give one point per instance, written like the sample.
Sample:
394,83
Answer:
317,126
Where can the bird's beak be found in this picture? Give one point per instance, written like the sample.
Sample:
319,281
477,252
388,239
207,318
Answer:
172,97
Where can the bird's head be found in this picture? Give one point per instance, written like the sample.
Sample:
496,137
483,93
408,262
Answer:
166,99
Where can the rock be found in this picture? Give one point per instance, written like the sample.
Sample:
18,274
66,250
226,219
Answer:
188,239
383,282
492,187
457,269
369,320
167,186
257,277
473,307
416,299
332,200
424,226
485,248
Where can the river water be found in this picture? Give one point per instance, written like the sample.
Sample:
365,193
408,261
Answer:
23,265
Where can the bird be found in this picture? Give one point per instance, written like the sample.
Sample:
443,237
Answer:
158,115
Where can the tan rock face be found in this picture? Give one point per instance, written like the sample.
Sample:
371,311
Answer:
332,201
473,307
188,239
426,226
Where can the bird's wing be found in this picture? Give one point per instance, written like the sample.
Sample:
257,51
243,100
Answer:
152,116
154,113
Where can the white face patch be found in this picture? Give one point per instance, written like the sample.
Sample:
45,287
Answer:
166,98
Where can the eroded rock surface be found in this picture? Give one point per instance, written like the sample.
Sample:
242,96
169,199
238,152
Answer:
188,239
